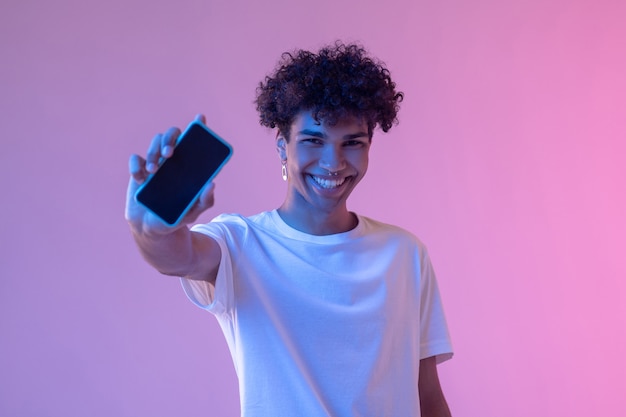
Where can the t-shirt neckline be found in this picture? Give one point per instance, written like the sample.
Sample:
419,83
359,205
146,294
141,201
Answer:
292,233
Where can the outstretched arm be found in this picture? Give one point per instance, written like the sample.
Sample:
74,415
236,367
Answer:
171,250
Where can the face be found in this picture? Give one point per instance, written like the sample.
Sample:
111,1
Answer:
324,162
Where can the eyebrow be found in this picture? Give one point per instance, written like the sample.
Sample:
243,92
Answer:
322,135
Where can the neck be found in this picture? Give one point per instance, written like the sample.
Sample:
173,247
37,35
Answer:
320,222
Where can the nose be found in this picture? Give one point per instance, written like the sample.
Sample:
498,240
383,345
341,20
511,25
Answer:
333,159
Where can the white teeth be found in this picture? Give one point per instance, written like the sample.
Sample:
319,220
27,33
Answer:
328,183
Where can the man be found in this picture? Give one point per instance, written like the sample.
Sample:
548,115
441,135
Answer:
326,312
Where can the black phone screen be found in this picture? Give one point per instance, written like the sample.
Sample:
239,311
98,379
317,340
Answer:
197,157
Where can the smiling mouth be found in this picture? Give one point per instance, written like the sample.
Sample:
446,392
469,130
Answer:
328,184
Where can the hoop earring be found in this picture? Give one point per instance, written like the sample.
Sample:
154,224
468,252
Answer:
284,170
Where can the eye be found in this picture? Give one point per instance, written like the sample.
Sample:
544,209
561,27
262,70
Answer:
312,141
353,143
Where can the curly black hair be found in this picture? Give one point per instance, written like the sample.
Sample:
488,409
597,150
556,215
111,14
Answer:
339,81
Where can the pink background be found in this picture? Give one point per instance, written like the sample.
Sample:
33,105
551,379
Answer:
509,162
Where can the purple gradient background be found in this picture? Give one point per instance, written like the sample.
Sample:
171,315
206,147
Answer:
509,162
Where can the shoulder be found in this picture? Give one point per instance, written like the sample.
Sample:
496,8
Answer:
400,245
389,232
229,223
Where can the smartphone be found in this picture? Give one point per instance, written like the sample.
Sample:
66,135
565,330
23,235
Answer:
171,191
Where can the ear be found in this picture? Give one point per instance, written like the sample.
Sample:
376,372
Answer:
281,146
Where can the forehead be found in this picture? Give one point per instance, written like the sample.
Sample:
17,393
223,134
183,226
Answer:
305,121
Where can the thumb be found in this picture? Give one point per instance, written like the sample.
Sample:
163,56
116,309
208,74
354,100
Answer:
207,197
204,202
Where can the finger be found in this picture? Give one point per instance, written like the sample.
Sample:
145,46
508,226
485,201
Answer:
207,198
204,202
200,118
154,154
168,141
137,168
130,198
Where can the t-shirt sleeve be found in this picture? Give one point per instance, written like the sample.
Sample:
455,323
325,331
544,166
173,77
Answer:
434,335
213,298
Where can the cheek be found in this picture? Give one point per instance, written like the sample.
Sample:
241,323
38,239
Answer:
303,159
361,163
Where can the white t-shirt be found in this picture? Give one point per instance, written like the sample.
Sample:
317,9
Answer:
329,325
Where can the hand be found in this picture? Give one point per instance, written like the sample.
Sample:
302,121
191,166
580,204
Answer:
142,220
